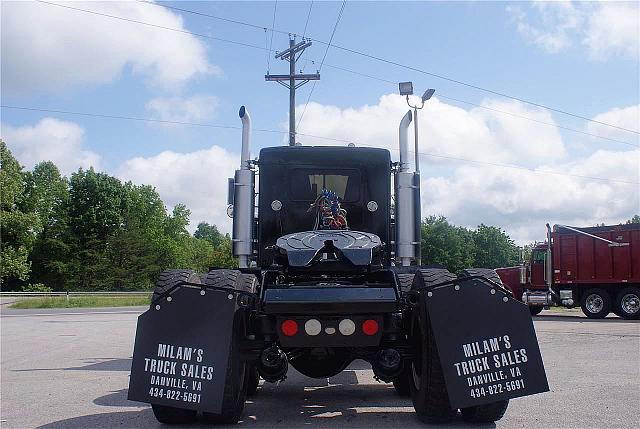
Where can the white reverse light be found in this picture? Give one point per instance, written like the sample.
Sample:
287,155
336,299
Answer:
313,327
347,327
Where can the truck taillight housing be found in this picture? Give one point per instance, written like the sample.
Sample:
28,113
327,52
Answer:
289,327
370,327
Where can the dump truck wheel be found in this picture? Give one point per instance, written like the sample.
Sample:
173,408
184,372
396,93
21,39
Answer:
236,381
627,303
172,416
596,303
494,411
485,413
535,310
170,278
426,383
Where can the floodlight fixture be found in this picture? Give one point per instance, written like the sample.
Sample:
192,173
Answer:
406,88
427,94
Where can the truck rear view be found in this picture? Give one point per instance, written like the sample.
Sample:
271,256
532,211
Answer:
329,273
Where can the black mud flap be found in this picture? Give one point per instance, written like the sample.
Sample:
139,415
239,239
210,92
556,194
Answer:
486,341
182,348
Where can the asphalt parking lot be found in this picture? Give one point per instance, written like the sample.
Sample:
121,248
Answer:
70,368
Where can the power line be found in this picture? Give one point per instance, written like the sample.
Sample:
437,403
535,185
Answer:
344,2
415,69
275,8
328,65
304,32
426,154
481,106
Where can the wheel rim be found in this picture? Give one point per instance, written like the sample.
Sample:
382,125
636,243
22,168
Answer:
594,303
630,303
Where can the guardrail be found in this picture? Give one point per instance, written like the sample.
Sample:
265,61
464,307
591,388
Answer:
68,294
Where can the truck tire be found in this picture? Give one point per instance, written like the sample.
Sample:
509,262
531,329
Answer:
487,413
401,384
236,381
253,380
427,386
172,415
405,281
627,303
167,280
170,278
535,310
494,411
596,303
247,283
487,273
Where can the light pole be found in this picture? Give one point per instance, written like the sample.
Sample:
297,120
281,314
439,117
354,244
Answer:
406,89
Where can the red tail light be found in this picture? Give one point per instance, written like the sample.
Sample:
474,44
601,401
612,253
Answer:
370,327
289,327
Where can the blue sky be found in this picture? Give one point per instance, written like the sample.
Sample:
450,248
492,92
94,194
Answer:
577,57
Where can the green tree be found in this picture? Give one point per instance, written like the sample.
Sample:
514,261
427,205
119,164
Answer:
494,248
18,226
445,244
48,196
209,233
634,219
96,215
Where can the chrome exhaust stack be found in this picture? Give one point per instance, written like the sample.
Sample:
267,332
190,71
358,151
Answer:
243,197
405,199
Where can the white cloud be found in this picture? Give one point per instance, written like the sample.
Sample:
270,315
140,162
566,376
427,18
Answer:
605,28
468,194
197,179
444,129
194,109
523,201
50,140
557,21
614,27
49,48
626,117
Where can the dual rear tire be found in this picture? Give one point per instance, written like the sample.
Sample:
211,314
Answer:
425,376
241,376
596,303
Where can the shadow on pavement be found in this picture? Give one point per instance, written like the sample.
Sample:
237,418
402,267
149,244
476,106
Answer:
100,364
336,402
578,318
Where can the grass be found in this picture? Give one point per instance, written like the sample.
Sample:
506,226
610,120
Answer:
82,301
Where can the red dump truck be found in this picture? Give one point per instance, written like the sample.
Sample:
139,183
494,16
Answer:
597,268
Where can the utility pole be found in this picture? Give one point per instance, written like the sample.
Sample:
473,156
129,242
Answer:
292,55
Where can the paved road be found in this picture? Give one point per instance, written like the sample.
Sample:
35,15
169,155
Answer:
70,369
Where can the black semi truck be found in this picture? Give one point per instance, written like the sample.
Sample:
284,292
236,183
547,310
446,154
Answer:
329,272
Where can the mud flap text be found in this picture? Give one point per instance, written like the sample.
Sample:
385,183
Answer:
181,350
488,349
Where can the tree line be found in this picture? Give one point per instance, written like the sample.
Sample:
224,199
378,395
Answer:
93,232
